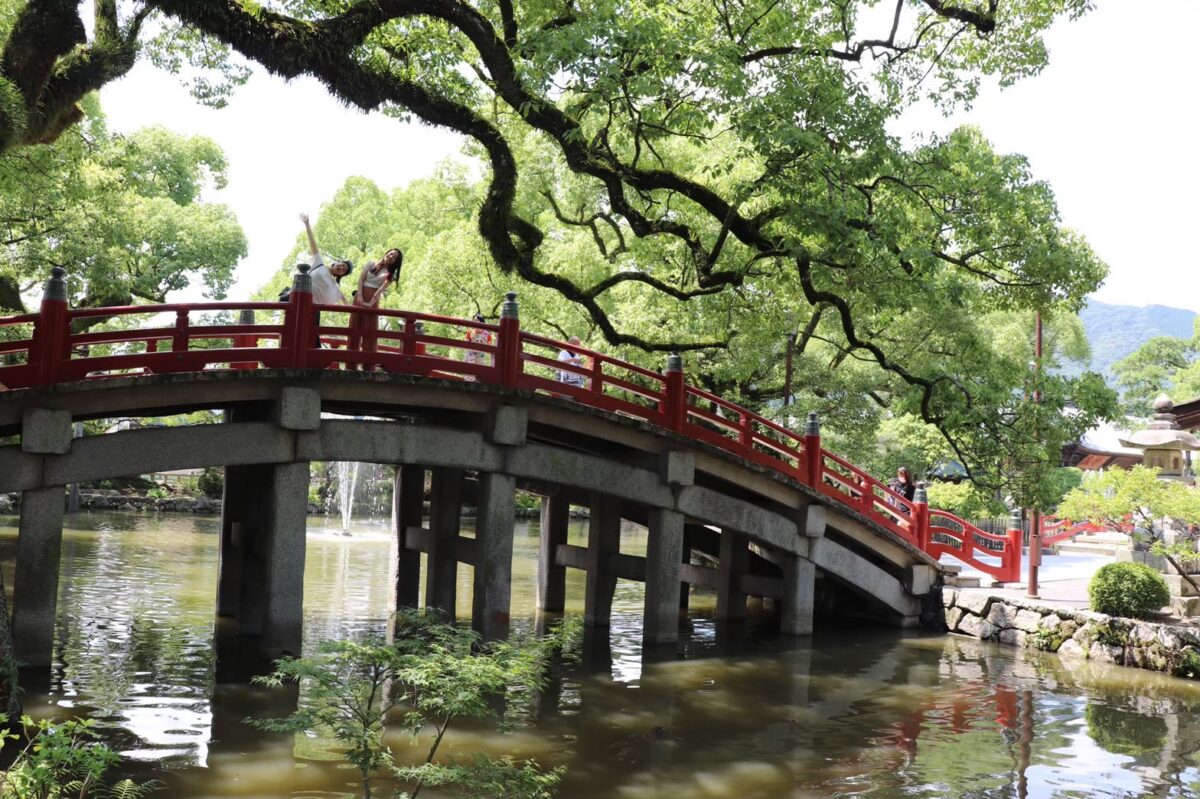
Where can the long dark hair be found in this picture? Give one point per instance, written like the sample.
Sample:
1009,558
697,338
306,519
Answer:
394,267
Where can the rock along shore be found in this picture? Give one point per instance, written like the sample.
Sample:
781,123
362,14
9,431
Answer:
1075,634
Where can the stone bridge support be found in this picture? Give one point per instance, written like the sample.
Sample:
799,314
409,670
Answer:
44,434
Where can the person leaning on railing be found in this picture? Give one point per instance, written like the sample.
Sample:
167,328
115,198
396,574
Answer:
377,276
903,485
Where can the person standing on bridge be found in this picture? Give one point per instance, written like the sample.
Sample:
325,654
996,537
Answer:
904,485
568,356
377,276
325,279
479,335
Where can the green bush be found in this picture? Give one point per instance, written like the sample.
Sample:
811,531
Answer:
1128,589
212,482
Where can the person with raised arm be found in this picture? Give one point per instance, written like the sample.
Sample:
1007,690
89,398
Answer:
325,279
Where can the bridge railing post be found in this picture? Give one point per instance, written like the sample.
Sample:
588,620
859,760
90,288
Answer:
508,352
921,516
1015,548
369,331
52,332
179,339
245,341
813,460
418,331
300,323
674,403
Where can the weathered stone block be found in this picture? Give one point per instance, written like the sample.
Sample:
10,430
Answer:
813,520
976,627
1179,586
1002,616
974,603
1027,620
299,409
678,468
920,578
46,432
1143,634
952,617
1186,606
508,425
1051,622
1071,649
1104,653
950,597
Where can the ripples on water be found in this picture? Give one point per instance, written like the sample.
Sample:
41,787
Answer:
729,713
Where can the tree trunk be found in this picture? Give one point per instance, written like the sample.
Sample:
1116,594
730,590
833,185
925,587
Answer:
10,296
1183,573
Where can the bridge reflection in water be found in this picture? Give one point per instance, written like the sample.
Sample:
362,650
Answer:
731,710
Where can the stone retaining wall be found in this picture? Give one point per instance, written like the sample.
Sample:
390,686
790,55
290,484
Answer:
1168,648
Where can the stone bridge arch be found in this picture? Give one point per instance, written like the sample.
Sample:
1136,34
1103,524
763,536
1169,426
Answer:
769,536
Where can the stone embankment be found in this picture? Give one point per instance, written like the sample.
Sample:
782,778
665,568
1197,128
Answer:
1074,634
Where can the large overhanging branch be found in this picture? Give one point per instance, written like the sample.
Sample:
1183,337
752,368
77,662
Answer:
285,46
49,61
290,47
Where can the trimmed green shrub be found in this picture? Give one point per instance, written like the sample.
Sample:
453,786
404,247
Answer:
1128,589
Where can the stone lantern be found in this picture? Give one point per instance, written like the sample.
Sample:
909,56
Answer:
1163,443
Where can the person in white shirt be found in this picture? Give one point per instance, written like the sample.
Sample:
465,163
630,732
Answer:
325,279
574,359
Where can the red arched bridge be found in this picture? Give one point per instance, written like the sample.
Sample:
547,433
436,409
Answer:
714,483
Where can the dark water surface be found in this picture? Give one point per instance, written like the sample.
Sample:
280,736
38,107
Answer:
731,713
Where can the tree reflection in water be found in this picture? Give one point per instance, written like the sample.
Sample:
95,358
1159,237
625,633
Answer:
730,712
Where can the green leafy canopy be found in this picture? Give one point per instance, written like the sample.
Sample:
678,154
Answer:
697,176
123,214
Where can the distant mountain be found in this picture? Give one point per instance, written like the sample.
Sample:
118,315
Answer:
1115,331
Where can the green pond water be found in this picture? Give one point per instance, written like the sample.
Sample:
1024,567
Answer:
730,713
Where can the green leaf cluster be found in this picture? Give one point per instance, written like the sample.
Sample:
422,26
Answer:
432,674
1117,497
123,214
1163,364
57,760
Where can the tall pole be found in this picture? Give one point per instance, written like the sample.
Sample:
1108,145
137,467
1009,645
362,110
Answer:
1035,524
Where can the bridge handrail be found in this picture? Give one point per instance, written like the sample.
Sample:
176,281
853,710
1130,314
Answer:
1057,530
222,305
55,353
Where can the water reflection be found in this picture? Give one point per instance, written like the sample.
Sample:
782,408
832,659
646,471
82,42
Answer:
732,711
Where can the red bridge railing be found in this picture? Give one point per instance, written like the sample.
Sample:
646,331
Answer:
60,344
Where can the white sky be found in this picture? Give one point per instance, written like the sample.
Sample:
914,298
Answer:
1110,124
